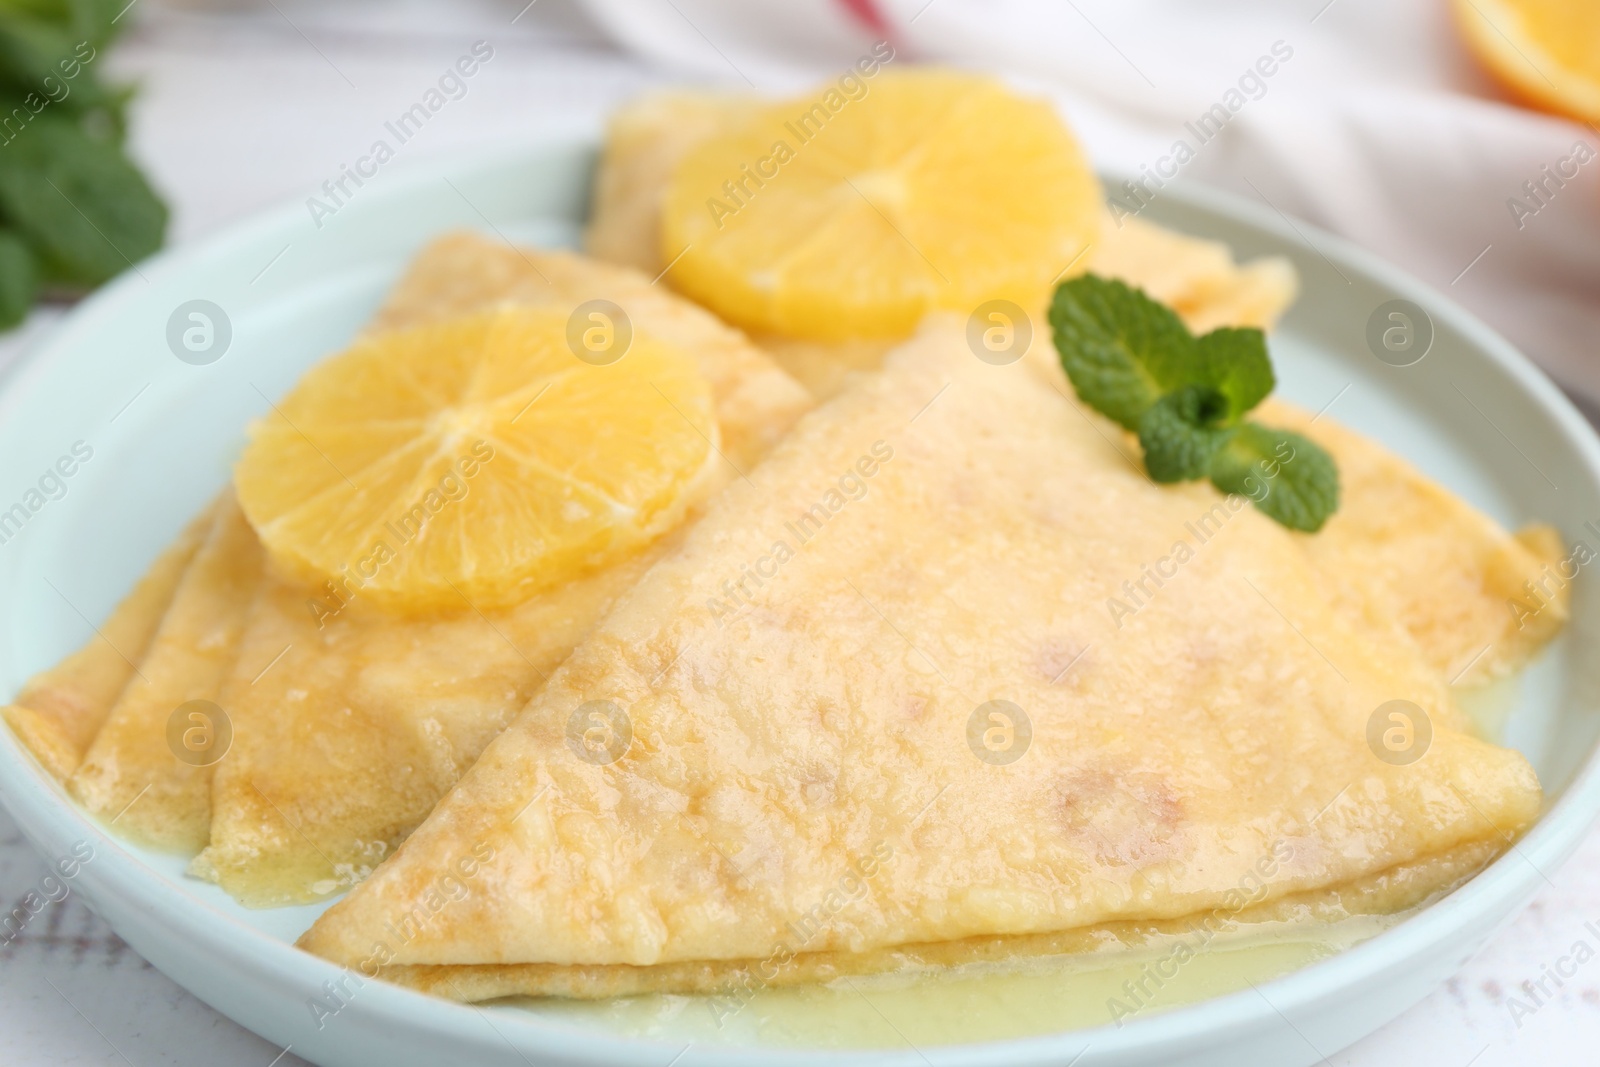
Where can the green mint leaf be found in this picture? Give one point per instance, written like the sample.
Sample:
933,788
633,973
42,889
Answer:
1135,362
1182,431
19,279
1121,350
96,21
1236,363
42,65
85,210
1287,475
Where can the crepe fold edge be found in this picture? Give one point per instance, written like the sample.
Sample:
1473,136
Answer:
1405,886
195,646
59,712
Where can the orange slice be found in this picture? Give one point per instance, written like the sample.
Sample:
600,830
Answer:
832,217
475,461
1546,51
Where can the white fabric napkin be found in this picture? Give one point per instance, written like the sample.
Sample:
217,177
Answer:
1375,122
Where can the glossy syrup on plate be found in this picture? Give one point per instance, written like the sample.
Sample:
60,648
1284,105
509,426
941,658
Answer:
983,1002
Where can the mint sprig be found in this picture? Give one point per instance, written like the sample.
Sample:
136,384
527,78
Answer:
1288,475
1127,351
1181,433
1133,360
74,209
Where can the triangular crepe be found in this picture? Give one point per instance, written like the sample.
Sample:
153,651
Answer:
59,712
346,735
816,764
1408,555
349,725
133,773
646,138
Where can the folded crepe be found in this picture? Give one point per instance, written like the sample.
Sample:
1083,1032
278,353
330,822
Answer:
350,722
1417,563
155,781
646,139
882,709
1420,566
384,716
60,710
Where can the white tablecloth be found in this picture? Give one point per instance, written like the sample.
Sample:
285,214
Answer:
250,107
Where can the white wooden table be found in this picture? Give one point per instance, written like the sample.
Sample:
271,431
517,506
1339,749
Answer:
253,106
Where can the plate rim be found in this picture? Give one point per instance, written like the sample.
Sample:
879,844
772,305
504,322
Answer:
47,814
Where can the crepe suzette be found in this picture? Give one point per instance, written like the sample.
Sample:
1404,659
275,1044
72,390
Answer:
919,734
768,778
643,176
271,865
366,716
349,719
1404,556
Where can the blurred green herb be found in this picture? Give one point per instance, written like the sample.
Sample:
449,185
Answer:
1134,361
74,211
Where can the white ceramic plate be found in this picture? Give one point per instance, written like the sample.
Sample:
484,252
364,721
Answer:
164,433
